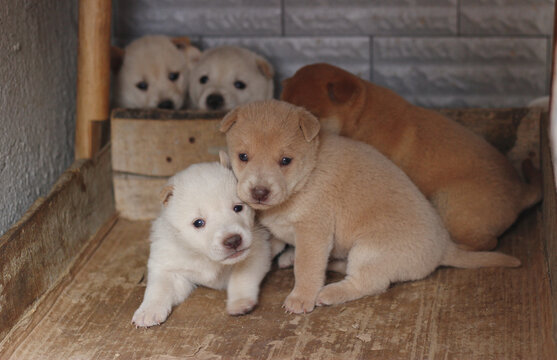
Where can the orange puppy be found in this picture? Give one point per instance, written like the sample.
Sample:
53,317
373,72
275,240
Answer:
473,186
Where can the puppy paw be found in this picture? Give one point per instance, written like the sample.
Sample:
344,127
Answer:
286,259
298,304
240,306
147,316
333,294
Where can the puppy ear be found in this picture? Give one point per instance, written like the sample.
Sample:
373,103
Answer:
166,193
116,58
309,124
229,120
343,90
225,159
193,55
181,42
265,68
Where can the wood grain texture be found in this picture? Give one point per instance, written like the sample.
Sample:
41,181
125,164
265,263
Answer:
137,196
452,314
43,244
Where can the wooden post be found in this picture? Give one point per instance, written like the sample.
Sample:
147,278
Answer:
93,75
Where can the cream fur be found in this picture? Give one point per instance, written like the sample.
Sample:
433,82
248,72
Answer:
225,65
183,256
339,199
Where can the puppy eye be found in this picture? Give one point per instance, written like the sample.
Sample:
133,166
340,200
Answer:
243,157
285,161
238,208
203,79
142,85
199,223
240,85
173,76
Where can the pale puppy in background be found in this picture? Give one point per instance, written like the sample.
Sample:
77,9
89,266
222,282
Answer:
333,197
228,76
205,235
153,72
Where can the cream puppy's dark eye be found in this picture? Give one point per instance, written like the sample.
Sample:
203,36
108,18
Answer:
203,79
238,208
285,161
243,157
240,85
173,76
142,85
199,223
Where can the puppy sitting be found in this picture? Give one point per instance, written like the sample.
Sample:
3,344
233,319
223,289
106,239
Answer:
204,235
227,76
473,186
153,72
331,196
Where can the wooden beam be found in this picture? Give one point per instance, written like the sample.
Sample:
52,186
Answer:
93,75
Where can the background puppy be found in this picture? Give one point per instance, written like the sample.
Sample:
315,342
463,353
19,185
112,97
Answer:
473,186
152,72
227,76
204,235
333,196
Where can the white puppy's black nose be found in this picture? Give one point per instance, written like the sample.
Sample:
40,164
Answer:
166,104
215,101
260,193
233,241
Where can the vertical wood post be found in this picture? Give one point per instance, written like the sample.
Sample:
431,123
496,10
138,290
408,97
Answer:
93,75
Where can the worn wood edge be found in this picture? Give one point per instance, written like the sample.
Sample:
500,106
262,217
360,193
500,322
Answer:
39,247
549,211
33,316
160,114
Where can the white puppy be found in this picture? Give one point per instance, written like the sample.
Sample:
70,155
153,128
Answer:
153,72
205,235
228,76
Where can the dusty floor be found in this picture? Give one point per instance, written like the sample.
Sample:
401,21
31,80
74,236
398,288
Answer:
461,314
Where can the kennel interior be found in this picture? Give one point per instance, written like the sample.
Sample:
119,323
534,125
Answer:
73,268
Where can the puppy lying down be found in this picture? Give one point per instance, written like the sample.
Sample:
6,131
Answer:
333,197
205,235
228,76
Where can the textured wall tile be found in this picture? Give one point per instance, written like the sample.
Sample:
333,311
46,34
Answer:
288,54
197,17
362,17
503,17
453,72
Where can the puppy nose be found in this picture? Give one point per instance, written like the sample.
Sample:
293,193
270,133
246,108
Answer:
233,241
215,101
260,193
166,104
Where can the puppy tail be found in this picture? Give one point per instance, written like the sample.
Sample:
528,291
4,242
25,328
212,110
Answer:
476,259
532,193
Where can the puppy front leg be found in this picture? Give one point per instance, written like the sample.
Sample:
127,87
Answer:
243,285
311,256
164,289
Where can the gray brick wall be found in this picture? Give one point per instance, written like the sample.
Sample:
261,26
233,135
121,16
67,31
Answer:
436,53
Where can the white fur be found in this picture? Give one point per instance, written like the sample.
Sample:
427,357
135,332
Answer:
225,65
151,59
183,256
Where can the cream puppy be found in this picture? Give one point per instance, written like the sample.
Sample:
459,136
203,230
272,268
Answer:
153,72
333,197
205,235
227,76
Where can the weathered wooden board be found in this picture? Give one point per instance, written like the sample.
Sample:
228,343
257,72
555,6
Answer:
45,242
148,146
550,216
452,314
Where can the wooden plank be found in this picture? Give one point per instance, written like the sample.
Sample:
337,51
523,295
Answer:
164,142
453,314
93,76
550,216
136,196
41,246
